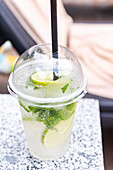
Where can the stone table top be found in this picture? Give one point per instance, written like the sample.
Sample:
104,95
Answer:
85,150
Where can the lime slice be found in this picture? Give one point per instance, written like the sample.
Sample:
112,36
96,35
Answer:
46,77
53,137
42,77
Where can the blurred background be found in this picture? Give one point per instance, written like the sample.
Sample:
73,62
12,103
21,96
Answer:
85,27
90,10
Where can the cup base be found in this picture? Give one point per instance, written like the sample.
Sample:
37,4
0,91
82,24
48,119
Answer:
47,158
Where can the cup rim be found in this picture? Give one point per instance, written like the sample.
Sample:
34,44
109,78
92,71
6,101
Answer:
70,97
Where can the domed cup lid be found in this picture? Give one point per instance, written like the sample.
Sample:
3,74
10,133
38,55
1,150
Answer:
33,74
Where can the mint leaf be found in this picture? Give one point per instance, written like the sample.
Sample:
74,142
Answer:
30,83
25,108
49,117
36,87
34,109
43,135
67,111
65,88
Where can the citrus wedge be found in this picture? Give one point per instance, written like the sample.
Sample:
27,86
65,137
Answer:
45,77
42,77
53,137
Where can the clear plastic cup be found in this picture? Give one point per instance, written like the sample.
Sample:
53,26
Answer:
47,106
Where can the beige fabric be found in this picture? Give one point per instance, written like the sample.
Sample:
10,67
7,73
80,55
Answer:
90,2
92,43
34,15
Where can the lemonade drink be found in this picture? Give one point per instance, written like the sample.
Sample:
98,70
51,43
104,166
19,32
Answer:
47,132
47,106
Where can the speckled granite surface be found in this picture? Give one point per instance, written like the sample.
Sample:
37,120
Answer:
85,150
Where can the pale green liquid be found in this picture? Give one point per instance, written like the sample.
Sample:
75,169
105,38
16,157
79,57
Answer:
33,128
33,132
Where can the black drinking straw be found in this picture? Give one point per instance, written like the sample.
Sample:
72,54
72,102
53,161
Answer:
54,35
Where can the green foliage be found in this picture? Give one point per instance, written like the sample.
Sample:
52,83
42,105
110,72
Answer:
65,88
50,116
30,83
25,108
